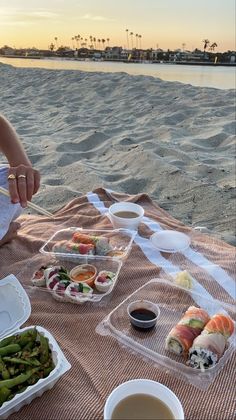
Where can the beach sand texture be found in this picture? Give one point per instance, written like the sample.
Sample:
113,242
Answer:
129,133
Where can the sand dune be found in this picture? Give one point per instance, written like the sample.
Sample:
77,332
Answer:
129,133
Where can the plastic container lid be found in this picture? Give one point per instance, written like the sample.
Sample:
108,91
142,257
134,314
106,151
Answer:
15,305
170,241
15,309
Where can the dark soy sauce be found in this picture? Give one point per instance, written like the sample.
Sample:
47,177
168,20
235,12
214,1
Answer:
143,314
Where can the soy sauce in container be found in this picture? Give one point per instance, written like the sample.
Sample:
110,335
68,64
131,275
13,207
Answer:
143,315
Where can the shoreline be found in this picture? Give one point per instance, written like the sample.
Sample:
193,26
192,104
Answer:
186,63
131,134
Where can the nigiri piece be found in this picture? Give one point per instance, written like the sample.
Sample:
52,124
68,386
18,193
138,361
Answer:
222,324
104,281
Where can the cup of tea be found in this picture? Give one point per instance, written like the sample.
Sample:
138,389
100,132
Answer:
142,399
126,215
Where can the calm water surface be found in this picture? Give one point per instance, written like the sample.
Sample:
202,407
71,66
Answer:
218,77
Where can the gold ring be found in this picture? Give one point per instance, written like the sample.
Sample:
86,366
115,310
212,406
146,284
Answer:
21,176
11,176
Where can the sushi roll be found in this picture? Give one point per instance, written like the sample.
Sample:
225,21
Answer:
82,238
54,275
56,269
58,291
38,278
103,246
181,337
78,292
104,281
209,347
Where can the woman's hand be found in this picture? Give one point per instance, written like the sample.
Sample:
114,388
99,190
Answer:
23,183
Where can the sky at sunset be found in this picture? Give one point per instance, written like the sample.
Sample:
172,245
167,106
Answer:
162,23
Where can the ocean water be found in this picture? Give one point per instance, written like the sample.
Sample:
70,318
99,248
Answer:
220,77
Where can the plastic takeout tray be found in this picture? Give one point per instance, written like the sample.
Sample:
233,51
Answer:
173,301
120,241
69,262
15,309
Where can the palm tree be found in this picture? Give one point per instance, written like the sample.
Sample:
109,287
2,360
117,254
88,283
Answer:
212,46
103,41
108,39
131,35
56,39
99,40
51,46
127,32
206,42
183,46
140,36
136,41
94,40
72,39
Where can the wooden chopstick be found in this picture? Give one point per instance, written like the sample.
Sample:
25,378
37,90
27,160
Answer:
29,204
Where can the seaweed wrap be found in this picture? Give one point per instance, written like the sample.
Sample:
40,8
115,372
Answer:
209,347
181,337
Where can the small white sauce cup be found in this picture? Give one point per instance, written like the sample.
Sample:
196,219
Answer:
143,386
122,222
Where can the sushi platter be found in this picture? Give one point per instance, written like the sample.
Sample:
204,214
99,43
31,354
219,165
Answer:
84,243
193,336
66,279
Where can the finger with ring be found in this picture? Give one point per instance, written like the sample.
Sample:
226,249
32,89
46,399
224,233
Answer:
21,176
11,177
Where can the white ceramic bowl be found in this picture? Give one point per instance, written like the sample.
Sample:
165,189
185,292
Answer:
143,386
122,222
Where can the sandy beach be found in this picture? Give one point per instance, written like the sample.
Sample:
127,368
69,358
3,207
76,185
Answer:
129,133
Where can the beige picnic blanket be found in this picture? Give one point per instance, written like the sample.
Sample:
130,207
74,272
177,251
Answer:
100,363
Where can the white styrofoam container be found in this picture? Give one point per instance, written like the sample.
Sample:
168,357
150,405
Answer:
15,309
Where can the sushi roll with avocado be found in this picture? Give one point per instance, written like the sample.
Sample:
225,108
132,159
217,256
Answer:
104,281
78,292
58,291
54,275
180,338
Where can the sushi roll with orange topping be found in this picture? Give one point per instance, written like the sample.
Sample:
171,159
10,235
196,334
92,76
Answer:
181,337
209,347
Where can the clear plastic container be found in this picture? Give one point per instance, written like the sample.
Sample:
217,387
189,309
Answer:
15,309
119,240
69,262
172,301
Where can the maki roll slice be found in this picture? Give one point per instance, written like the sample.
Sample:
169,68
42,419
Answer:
104,280
181,337
38,278
78,292
58,291
54,275
209,347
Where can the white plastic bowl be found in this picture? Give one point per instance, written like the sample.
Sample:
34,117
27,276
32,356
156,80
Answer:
143,386
122,222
